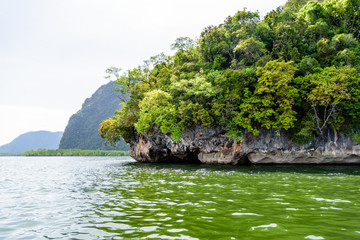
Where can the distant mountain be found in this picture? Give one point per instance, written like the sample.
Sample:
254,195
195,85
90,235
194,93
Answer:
33,141
82,132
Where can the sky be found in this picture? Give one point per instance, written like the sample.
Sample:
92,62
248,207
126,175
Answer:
54,53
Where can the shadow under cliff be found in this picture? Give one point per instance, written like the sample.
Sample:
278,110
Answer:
252,168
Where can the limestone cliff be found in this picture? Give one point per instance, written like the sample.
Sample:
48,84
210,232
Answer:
211,146
82,129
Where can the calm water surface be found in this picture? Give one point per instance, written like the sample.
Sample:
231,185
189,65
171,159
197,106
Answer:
116,198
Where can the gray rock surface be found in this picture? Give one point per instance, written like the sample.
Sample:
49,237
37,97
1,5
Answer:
211,146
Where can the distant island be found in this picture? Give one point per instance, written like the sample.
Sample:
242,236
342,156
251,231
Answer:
282,89
32,140
46,144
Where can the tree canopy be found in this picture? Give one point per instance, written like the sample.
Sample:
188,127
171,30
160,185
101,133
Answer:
296,70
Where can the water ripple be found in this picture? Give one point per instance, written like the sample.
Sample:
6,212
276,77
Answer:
116,198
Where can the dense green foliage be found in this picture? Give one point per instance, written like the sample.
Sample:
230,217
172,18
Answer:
75,152
297,70
82,132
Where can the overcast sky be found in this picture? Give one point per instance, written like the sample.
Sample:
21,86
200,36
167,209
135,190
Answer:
53,53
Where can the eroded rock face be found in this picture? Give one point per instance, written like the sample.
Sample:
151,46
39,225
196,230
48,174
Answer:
211,146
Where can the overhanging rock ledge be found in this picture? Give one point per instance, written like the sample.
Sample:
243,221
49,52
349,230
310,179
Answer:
211,146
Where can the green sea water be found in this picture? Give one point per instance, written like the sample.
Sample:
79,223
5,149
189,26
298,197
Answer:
117,198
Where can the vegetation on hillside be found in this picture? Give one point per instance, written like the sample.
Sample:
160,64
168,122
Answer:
82,132
297,70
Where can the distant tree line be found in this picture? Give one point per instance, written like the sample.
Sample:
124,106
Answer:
11,154
75,152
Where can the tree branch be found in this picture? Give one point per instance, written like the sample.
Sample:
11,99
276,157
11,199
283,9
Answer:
331,112
316,117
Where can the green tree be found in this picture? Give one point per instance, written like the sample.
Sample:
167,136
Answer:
217,43
157,108
308,65
329,89
342,41
312,11
110,130
324,51
182,43
251,50
271,104
295,5
196,89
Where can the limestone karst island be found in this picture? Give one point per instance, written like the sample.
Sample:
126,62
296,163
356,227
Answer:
249,131
283,88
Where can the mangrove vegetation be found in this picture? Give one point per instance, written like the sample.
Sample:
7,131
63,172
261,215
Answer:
75,152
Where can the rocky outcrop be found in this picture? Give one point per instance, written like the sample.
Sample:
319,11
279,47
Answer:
82,130
211,146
